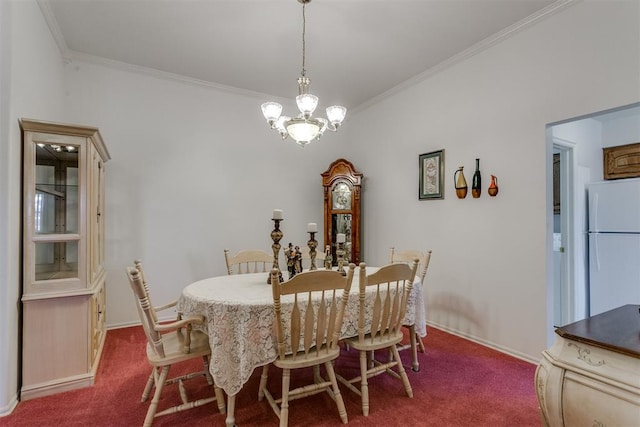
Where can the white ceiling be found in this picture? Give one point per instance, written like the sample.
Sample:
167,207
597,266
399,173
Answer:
356,50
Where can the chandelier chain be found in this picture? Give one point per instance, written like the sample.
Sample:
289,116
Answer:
304,47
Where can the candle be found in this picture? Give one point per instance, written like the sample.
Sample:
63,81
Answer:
277,214
340,238
312,227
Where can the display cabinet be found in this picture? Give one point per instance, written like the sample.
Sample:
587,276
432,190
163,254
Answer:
63,292
342,184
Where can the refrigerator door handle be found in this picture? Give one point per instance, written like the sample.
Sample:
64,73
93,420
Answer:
594,211
596,252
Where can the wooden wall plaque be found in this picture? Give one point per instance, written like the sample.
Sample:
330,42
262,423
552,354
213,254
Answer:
622,161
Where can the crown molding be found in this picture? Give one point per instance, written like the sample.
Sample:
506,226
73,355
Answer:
138,69
477,48
49,17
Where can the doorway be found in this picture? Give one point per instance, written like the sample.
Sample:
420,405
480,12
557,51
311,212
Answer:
578,143
564,247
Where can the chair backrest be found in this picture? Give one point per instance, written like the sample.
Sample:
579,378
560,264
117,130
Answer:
306,258
407,256
313,325
387,303
250,261
146,311
138,265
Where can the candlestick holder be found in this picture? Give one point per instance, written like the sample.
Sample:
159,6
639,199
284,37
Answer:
312,244
276,235
328,258
340,255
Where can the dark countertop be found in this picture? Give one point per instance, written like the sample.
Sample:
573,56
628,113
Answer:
616,330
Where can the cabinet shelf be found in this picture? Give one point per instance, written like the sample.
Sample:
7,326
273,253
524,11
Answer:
44,188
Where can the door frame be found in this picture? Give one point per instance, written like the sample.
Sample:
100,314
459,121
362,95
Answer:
568,304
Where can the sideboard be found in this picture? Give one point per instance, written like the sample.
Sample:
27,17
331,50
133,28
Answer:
591,374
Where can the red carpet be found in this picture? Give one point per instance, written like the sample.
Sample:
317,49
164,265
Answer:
460,384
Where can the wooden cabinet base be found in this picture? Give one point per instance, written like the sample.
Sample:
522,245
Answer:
63,341
580,383
58,386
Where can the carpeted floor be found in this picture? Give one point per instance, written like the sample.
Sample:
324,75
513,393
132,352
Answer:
460,384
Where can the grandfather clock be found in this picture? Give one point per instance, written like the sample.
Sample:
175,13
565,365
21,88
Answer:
342,184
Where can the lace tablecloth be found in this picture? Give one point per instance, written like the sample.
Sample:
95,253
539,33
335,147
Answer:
239,320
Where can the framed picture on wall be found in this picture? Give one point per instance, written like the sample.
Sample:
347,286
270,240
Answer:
431,179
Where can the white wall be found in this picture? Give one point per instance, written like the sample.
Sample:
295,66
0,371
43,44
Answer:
622,130
194,170
587,136
31,83
490,276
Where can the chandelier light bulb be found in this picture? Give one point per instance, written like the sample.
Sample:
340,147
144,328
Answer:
307,104
336,114
303,131
271,112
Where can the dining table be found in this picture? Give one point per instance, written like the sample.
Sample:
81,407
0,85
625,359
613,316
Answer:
239,320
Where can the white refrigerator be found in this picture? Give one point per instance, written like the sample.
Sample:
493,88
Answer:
614,244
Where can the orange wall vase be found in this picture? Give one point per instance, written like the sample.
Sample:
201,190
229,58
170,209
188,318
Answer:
493,187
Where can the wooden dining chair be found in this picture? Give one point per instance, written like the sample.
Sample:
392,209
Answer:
382,303
138,265
407,256
249,261
306,258
169,344
307,335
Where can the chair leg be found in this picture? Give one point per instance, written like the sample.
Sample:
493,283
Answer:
219,398
147,388
336,392
230,421
263,381
403,374
151,412
207,374
284,404
413,338
364,385
420,343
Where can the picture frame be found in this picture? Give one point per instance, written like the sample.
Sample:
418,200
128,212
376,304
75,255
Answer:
431,175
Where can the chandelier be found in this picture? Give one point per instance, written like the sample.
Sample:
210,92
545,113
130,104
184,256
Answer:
304,128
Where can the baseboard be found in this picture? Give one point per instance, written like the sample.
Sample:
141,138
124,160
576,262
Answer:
9,407
123,325
166,318
57,386
501,349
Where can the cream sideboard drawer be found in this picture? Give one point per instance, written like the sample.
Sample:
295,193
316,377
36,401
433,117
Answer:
588,402
595,361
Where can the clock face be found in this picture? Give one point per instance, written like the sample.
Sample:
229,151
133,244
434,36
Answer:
341,196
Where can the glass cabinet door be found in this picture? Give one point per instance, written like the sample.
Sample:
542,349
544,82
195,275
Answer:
56,206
